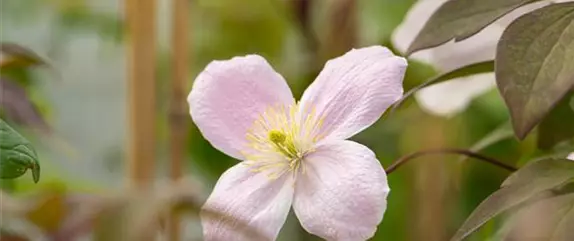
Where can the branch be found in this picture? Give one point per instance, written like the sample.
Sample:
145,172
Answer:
468,153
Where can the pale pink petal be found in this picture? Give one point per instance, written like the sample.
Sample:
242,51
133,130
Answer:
342,193
252,198
228,96
354,90
412,24
571,156
452,97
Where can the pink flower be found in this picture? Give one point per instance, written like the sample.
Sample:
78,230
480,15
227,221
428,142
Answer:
295,153
571,156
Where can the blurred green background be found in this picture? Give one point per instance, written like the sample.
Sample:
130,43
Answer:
81,97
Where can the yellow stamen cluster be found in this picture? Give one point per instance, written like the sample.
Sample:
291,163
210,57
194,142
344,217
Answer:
280,138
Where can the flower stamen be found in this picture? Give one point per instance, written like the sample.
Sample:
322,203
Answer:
280,138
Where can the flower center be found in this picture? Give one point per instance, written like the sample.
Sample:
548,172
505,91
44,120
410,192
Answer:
280,138
284,146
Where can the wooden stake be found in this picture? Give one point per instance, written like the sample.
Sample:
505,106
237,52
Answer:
141,62
178,106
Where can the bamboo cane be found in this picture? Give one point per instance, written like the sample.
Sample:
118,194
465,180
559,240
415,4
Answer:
141,60
178,107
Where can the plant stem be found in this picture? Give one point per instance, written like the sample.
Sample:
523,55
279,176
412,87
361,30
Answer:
401,161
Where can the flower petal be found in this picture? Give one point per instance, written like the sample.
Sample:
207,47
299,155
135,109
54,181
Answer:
354,90
571,156
229,95
412,24
251,198
452,97
342,194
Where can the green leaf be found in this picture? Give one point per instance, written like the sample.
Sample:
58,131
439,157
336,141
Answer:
535,64
523,185
472,69
460,19
16,154
557,168
563,230
554,128
552,215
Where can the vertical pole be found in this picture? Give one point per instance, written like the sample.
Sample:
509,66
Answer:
141,60
431,183
178,107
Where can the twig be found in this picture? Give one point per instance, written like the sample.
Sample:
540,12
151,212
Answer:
401,161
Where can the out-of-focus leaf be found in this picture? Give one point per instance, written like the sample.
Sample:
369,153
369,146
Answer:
555,127
301,10
82,210
136,215
8,185
472,69
417,72
460,19
549,218
81,18
201,152
523,185
17,155
110,223
7,236
342,30
232,27
51,209
21,76
16,106
501,133
16,56
535,64
383,16
11,206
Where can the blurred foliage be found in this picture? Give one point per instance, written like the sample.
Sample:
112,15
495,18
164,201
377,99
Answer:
16,104
553,129
17,107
